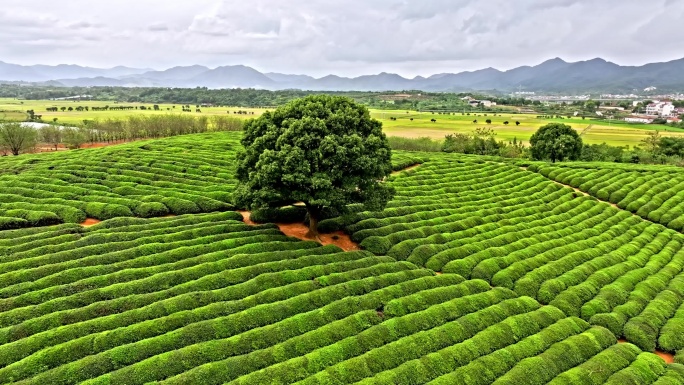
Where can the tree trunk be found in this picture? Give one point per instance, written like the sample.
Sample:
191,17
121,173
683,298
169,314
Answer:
314,216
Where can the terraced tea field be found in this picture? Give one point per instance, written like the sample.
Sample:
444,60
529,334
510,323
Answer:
477,272
653,192
180,175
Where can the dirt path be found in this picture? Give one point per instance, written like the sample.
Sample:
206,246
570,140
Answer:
405,169
299,230
245,217
667,357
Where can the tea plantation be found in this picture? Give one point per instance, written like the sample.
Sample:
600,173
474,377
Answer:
477,272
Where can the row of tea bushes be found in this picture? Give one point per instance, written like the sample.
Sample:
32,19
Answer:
179,175
207,299
654,194
516,229
77,303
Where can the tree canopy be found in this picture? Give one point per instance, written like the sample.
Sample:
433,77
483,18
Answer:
324,151
556,141
17,138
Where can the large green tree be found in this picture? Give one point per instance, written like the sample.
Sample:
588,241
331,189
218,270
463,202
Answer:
556,141
324,151
17,138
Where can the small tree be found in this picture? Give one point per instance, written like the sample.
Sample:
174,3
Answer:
74,137
324,151
488,121
51,135
517,123
652,142
556,141
17,138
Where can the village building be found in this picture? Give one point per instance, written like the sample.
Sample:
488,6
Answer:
639,119
661,108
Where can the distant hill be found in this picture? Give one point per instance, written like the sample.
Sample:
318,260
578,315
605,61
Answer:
554,75
39,73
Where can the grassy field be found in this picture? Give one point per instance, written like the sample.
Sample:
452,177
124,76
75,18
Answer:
13,108
614,133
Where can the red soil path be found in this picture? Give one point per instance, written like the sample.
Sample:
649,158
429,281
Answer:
667,357
299,230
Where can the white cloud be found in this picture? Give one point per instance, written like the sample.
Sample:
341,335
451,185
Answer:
350,37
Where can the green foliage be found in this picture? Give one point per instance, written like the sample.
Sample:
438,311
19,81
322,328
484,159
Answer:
178,175
17,138
555,141
531,272
414,144
320,150
291,214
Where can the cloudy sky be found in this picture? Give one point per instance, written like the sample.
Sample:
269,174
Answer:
350,38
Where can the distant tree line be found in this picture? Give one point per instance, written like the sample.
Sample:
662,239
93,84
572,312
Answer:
249,98
16,138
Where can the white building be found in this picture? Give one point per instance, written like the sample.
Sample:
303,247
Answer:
639,119
663,109
483,103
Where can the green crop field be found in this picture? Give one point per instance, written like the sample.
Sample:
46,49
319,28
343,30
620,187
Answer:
614,133
13,109
478,271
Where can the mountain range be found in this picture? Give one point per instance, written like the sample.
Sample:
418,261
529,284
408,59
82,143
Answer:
554,75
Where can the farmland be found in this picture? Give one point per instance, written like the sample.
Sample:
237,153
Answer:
478,271
614,133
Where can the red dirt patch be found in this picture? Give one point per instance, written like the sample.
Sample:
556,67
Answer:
245,217
90,221
667,357
299,230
